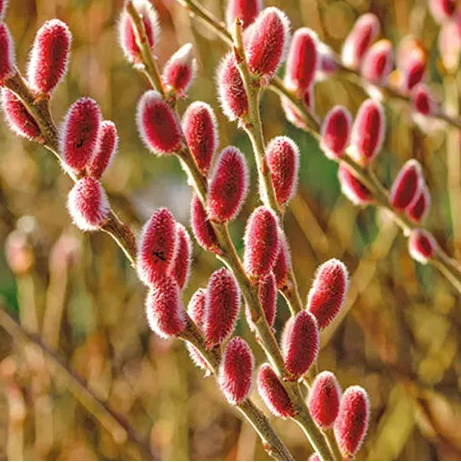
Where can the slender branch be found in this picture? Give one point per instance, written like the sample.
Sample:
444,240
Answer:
120,429
445,264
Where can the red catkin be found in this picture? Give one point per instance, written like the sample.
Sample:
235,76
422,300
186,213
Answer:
300,343
422,246
302,60
158,125
267,42
282,265
165,310
228,185
236,371
202,227
328,291
106,150
157,246
88,204
231,92
442,9
49,56
273,394
127,37
7,54
18,117
183,257
336,131
352,422
419,208
261,243
79,133
180,70
407,185
353,188
283,159
413,73
222,307
368,132
3,7
358,41
246,10
201,131
324,399
377,62
423,101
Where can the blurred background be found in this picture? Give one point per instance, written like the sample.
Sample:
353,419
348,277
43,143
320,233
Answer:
398,338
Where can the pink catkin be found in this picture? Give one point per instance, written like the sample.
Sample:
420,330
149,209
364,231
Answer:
17,116
352,422
236,370
157,124
182,260
180,70
127,35
442,10
106,150
302,60
201,132
231,92
324,399
422,246
261,243
246,10
328,291
49,56
353,188
267,42
228,186
273,394
417,211
7,54
88,204
222,307
368,132
282,265
407,185
359,40
336,132
3,7
300,343
282,155
79,133
377,63
157,246
165,310
202,227
413,74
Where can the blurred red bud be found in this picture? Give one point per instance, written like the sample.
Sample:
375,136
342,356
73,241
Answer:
228,185
126,31
246,10
423,101
7,54
157,124
353,188
18,117
157,246
442,9
79,133
273,394
88,204
422,245
106,150
201,132
300,343
49,56
352,422
236,370
407,185
3,7
180,71
222,306
283,159
419,208
368,132
183,256
336,131
202,227
324,399
328,291
231,92
165,310
377,62
267,42
362,35
261,243
302,60
412,74
328,64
